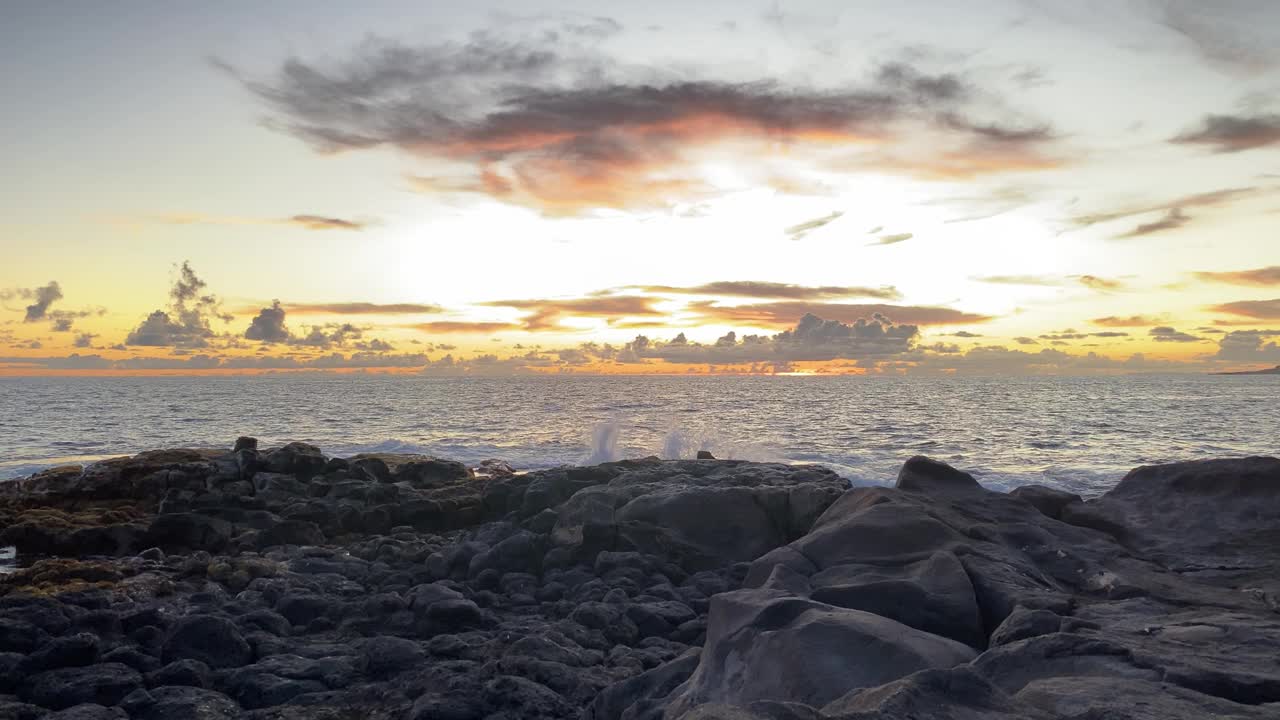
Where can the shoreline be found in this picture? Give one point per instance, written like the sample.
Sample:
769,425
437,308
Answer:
285,583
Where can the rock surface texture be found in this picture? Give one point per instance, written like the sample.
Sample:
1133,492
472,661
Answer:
282,583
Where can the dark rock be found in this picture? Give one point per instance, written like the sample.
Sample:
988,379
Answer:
188,531
296,458
705,455
71,651
105,684
756,636
19,636
89,711
133,657
920,474
187,673
384,655
212,640
1047,500
291,532
245,442
301,608
188,703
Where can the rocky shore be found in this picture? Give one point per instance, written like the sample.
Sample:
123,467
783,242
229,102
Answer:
282,583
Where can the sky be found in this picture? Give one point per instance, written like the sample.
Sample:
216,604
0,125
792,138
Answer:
990,187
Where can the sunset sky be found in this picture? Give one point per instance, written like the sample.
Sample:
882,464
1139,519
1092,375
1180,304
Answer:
997,186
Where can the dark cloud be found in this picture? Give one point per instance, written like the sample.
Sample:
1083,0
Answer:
965,334
811,339
41,307
893,239
1259,309
1261,277
320,222
548,121
1233,133
1232,36
785,314
1164,333
800,230
186,323
770,290
548,314
1249,346
84,340
1126,321
1026,341
43,297
269,326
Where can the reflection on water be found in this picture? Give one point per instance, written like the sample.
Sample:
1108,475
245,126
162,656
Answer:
1080,434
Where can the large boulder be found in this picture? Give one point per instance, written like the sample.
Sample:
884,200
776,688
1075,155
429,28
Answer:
765,645
700,514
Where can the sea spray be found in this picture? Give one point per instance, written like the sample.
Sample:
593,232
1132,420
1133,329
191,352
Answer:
604,443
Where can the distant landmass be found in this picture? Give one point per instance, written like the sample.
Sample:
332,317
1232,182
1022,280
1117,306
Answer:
1269,371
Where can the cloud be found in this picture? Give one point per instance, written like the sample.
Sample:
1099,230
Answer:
320,222
41,307
1231,36
785,314
770,290
800,230
1249,346
1172,220
893,239
84,339
965,334
269,326
186,323
361,308
1126,321
1233,133
1172,209
811,339
1164,333
1092,282
1071,334
305,221
44,297
548,120
463,327
549,314
1259,309
1026,341
1261,277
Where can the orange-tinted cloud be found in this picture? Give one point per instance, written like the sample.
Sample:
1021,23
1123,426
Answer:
1259,309
1127,321
463,327
1261,277
786,314
560,127
548,314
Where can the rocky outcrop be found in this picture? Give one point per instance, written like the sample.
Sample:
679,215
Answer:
283,583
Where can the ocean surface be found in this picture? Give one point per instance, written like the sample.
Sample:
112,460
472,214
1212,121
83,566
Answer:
1079,434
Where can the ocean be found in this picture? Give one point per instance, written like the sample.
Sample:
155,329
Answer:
1078,434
